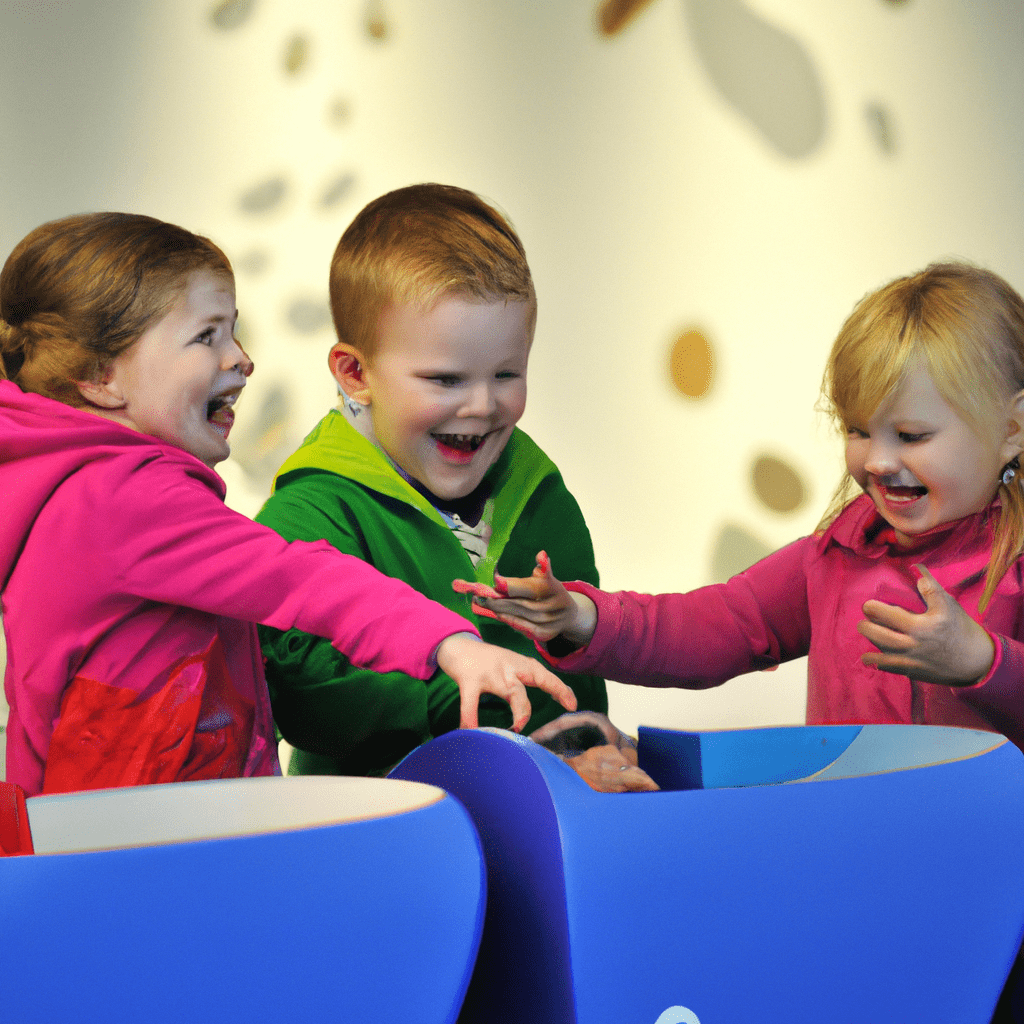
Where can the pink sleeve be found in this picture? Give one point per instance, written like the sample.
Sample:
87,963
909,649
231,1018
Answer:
700,639
174,541
999,697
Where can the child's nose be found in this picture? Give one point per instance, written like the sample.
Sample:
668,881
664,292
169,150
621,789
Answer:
237,358
479,401
881,459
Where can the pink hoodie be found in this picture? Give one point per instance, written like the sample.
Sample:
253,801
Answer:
806,599
123,570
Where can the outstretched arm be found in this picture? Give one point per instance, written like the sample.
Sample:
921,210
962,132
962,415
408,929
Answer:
538,605
942,644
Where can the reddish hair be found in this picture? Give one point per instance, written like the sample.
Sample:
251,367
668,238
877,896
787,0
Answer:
417,244
76,292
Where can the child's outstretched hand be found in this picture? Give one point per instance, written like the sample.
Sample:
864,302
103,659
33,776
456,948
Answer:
538,606
480,668
942,644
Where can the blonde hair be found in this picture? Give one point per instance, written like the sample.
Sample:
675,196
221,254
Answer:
77,292
418,244
967,325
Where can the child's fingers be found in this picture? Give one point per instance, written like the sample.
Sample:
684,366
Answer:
520,705
883,638
535,674
890,616
476,589
469,703
484,611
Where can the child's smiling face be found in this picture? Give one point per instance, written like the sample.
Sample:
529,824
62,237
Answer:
180,379
921,463
447,385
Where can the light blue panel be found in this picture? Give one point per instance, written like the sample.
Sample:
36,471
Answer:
889,748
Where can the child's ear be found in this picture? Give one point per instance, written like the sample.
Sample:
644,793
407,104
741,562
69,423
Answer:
1014,443
348,369
104,393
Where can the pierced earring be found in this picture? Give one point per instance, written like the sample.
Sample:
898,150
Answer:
1010,470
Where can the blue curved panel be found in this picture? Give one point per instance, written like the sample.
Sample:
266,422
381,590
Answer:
887,896
372,920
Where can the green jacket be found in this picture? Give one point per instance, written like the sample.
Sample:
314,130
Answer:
337,486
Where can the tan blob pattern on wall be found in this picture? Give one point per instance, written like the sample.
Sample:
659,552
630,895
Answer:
230,14
296,54
692,364
375,20
735,550
264,196
777,484
614,15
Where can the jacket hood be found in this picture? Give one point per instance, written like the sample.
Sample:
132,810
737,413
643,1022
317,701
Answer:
335,446
42,443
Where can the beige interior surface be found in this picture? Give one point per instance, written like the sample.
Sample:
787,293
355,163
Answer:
188,811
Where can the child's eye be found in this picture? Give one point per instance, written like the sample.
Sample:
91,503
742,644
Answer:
446,380
507,375
856,432
206,337
908,438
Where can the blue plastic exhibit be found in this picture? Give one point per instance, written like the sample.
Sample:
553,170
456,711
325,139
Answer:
244,900
800,875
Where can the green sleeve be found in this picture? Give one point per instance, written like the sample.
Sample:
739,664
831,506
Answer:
340,718
551,522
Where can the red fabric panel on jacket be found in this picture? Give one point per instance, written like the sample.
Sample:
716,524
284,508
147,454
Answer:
15,837
196,726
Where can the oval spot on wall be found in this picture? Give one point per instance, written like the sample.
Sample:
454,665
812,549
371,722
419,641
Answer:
231,14
375,21
263,196
308,316
881,127
614,15
692,364
735,550
777,484
336,190
339,112
254,262
296,54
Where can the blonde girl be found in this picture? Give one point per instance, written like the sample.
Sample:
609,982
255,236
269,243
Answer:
909,600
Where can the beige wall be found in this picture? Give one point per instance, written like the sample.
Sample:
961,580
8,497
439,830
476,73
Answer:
746,169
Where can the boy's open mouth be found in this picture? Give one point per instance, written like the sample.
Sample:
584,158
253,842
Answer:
464,443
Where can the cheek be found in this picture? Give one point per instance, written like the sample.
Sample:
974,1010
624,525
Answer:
856,453
515,402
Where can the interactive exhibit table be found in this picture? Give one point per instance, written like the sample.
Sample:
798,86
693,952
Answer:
278,899
827,875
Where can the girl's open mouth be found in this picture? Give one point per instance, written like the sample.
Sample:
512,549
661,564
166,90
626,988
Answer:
895,497
220,415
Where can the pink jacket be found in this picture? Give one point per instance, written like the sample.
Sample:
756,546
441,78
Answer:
122,570
806,599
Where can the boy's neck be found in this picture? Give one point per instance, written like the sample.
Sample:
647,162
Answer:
468,508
